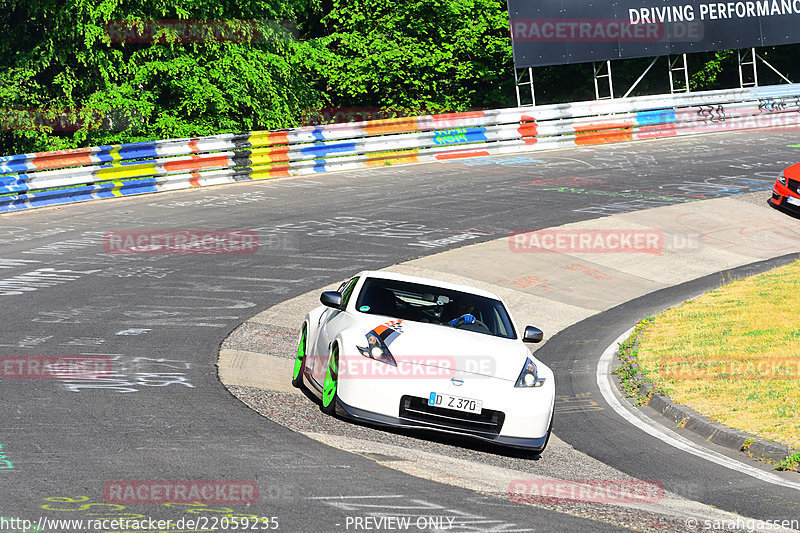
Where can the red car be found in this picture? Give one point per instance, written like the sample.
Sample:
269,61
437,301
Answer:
786,192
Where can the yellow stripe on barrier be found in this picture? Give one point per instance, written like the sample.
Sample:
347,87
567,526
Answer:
119,171
392,158
117,186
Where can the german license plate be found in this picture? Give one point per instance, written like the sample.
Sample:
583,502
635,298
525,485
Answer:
454,402
792,200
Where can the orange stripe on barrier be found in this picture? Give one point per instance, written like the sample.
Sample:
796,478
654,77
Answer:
276,171
62,158
279,138
270,155
197,162
391,125
194,181
193,146
268,138
71,151
590,134
528,129
462,155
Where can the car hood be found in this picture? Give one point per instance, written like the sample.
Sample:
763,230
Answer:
444,346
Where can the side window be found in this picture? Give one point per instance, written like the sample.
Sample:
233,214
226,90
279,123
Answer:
348,291
498,325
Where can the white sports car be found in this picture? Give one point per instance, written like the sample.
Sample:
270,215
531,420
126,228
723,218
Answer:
404,351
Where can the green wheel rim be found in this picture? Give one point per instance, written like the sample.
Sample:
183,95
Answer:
331,380
301,354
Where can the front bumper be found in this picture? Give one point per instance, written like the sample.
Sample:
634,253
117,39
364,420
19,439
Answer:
786,197
531,444
518,417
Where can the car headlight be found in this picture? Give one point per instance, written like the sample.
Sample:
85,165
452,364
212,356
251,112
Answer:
529,377
782,179
377,349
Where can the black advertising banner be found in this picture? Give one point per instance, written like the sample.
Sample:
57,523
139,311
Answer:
558,32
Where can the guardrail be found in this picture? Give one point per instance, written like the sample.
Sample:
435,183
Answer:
52,178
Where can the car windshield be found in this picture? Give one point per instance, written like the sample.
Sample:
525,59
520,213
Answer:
435,305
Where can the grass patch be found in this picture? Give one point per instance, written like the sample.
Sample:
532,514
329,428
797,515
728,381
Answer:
790,463
732,354
632,378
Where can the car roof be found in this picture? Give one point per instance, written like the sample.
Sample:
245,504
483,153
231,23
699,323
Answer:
427,281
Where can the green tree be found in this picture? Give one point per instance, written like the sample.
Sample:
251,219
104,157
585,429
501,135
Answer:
62,56
434,55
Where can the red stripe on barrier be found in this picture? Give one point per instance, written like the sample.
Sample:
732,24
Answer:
590,134
458,116
462,155
193,146
197,163
62,158
528,129
194,181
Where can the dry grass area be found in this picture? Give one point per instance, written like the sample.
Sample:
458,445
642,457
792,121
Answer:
734,354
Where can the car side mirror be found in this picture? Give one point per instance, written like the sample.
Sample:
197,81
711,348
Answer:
331,299
532,334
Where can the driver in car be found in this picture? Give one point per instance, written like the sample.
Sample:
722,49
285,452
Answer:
461,311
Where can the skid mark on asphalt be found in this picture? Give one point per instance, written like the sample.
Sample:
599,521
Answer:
580,403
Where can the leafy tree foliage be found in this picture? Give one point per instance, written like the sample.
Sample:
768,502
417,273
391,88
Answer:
77,72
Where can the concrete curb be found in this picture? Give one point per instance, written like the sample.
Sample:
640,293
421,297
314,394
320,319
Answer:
720,434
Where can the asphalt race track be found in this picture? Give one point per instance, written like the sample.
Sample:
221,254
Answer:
160,319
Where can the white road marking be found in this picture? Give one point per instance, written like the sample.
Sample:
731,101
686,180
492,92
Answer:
667,436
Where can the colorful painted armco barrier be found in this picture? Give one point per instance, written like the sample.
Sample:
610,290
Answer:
52,178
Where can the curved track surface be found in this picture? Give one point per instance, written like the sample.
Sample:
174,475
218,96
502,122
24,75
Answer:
159,319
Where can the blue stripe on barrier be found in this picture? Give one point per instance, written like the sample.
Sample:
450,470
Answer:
14,188
320,165
322,149
129,187
14,166
457,136
139,150
77,194
656,116
318,133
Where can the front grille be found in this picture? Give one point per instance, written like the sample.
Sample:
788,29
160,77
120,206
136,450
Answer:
793,185
489,422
